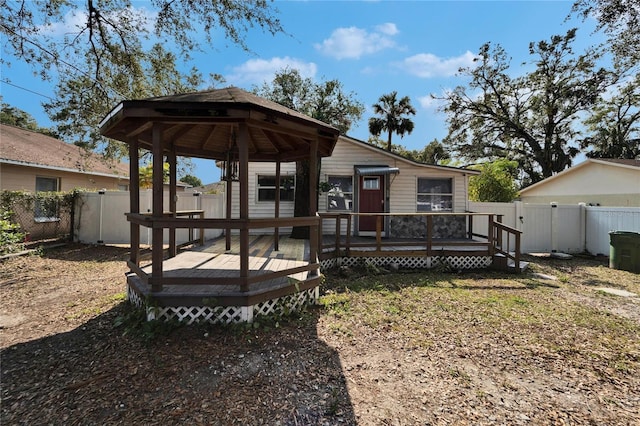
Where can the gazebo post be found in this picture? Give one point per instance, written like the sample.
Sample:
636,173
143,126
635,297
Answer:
243,156
173,181
276,231
134,200
229,201
158,193
313,199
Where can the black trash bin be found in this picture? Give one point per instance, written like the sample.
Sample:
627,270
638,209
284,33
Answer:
624,250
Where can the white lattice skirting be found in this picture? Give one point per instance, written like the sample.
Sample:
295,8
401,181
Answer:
423,262
227,314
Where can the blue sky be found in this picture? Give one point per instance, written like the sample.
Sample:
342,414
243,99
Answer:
372,47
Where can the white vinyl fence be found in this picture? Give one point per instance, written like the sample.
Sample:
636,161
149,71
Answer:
100,217
567,228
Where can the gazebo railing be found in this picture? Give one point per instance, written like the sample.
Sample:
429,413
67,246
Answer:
244,279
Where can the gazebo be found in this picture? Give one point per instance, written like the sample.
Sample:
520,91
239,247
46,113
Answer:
233,127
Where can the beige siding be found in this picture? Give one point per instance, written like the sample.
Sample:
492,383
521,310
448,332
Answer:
262,209
608,200
345,156
21,178
402,185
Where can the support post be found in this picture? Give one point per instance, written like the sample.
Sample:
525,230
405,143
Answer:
173,200
243,155
134,201
313,201
276,231
554,227
157,212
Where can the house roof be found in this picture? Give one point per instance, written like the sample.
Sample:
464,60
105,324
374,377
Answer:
609,162
32,149
407,160
207,124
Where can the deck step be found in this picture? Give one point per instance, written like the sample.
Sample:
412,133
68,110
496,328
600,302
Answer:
511,266
503,263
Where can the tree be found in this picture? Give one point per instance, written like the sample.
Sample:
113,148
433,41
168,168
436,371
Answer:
105,59
113,33
325,101
531,119
620,20
191,180
145,175
80,104
496,182
19,118
434,153
393,118
614,124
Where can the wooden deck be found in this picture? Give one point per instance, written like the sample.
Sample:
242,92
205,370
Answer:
212,261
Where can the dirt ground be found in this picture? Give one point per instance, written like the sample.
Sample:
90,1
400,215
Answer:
73,353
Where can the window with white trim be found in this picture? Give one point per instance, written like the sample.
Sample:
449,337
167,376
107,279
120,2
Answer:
434,195
340,196
267,188
46,211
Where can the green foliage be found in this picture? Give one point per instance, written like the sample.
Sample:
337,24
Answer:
532,119
105,58
620,20
19,118
393,118
325,101
133,322
496,183
614,124
191,180
11,237
146,175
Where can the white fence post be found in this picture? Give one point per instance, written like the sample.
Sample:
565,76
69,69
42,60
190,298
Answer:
554,227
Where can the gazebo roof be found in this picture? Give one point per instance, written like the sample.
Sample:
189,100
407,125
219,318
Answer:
205,125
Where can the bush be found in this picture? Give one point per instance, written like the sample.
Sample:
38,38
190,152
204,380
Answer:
11,236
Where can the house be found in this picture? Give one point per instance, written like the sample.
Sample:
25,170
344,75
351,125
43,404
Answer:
596,181
32,161
364,179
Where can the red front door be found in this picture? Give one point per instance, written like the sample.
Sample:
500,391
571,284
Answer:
371,200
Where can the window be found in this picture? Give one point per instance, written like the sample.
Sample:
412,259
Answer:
46,211
267,188
434,195
371,182
340,196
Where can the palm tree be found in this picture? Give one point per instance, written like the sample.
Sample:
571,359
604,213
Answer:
392,118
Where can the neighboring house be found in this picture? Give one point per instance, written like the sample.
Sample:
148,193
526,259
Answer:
598,182
31,161
361,178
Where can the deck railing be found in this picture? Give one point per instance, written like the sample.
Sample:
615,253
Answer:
500,239
171,223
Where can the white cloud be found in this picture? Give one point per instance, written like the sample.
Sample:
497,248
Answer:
257,71
353,42
427,65
388,28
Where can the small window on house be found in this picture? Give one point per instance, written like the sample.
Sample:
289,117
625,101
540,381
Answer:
434,195
267,188
371,182
122,187
46,210
340,196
